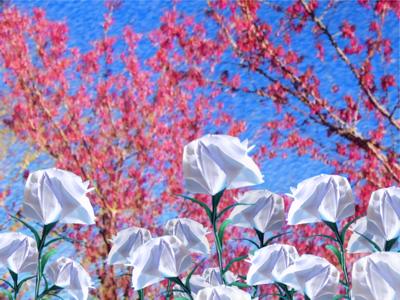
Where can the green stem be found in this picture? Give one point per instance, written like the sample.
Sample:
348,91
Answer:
342,262
179,282
141,294
214,218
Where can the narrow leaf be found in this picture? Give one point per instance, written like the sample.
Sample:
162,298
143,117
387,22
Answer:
267,242
335,251
222,229
30,227
45,259
236,259
202,204
240,284
375,245
347,226
222,212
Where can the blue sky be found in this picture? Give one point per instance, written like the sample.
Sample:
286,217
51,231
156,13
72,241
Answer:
84,19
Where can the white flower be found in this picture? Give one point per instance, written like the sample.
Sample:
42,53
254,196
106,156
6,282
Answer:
125,244
70,276
268,263
210,277
265,212
53,195
191,233
359,244
157,259
383,213
18,252
377,277
222,292
321,198
217,162
312,275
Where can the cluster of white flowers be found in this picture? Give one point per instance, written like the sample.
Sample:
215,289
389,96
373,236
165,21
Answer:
211,165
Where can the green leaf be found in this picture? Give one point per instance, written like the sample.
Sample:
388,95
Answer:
7,282
240,284
234,260
324,236
20,284
54,240
8,294
375,245
275,237
389,244
248,240
45,259
335,251
340,296
30,227
202,204
187,281
347,226
222,229
181,298
222,212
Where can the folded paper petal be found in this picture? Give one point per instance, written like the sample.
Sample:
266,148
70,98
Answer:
71,276
210,277
321,198
268,263
190,232
222,292
54,195
157,259
376,277
217,162
358,243
313,276
125,244
265,211
18,252
383,213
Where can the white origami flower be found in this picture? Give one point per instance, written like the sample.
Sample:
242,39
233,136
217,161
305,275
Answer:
190,232
266,212
157,259
321,198
210,277
217,162
383,213
71,276
359,244
18,252
312,275
56,195
377,277
222,292
125,244
268,263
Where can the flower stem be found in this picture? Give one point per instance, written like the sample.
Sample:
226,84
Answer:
342,261
218,243
179,282
141,294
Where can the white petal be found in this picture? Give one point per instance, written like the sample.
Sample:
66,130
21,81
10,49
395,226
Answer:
56,195
384,213
321,198
157,259
357,243
190,232
377,277
312,275
222,292
266,212
268,263
18,252
71,276
216,162
125,244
